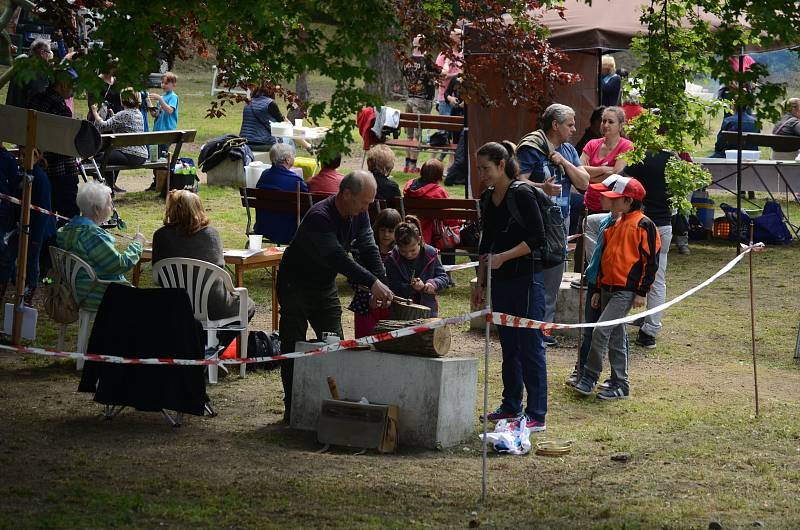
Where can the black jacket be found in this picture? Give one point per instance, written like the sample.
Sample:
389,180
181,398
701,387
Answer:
227,147
145,323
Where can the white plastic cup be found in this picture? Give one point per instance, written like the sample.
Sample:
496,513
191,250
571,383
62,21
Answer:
298,122
254,241
152,151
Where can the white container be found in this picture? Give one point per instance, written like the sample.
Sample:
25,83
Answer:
254,241
298,122
297,171
730,154
282,129
253,173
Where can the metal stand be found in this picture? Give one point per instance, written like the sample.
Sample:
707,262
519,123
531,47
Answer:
753,317
111,411
487,332
176,421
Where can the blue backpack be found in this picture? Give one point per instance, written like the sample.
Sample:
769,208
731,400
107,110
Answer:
768,228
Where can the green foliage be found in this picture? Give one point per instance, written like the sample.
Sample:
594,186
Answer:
681,44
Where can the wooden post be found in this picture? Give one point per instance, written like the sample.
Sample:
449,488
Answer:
753,317
24,226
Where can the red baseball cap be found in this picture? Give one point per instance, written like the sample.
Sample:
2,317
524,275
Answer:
625,187
607,183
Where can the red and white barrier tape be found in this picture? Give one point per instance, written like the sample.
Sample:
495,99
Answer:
39,209
341,345
503,319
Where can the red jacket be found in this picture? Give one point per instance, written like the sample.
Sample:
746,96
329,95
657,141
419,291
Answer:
430,190
365,119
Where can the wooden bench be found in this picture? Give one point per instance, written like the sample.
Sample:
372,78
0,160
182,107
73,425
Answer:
441,209
294,202
110,142
427,121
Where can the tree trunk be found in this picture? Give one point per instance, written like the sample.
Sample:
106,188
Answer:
301,87
388,79
431,343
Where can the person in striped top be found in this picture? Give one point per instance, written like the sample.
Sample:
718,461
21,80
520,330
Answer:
84,237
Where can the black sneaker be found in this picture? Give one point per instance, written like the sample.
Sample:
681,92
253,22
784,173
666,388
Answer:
573,379
614,393
500,414
584,387
645,340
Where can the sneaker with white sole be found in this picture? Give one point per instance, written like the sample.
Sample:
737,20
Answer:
605,385
614,393
573,378
533,425
585,386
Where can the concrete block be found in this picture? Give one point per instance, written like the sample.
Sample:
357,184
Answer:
436,397
226,173
566,306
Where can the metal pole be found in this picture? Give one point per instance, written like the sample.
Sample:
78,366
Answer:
753,317
24,226
487,331
738,110
580,291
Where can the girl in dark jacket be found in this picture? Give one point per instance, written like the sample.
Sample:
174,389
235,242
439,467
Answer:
413,269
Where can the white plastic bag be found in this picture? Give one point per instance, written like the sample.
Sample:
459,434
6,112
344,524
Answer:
512,437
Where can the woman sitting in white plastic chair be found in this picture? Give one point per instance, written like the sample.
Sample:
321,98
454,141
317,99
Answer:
84,237
187,233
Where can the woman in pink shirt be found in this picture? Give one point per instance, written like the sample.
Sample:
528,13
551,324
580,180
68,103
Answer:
328,179
601,157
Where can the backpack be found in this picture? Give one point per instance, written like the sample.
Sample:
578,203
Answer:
59,304
259,344
554,250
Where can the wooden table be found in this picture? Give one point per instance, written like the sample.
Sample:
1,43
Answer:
241,260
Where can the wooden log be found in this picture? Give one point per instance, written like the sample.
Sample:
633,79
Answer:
408,311
431,343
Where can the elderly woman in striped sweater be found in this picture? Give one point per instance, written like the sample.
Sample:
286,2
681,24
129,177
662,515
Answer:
84,237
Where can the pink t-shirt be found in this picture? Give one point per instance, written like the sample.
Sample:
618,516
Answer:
447,67
591,198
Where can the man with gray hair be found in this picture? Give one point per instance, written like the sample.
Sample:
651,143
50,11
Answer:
548,161
307,290
20,93
279,227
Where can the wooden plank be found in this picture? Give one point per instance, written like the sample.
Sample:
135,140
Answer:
416,144
54,134
148,138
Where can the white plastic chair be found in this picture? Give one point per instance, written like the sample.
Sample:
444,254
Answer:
197,278
69,267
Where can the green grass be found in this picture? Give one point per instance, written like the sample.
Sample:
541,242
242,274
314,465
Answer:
698,453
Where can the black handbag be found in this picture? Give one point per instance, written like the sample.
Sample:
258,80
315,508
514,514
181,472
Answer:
439,139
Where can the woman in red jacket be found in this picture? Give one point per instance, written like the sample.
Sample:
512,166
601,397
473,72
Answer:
427,187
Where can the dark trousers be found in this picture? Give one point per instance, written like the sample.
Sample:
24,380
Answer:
524,363
118,158
301,306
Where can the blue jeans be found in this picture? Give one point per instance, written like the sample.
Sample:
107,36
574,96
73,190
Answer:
524,363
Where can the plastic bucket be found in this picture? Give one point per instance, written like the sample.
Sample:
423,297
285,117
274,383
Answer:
253,172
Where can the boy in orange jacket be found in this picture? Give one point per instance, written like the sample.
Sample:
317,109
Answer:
627,269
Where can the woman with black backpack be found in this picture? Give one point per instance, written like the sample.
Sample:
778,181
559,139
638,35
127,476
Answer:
509,237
